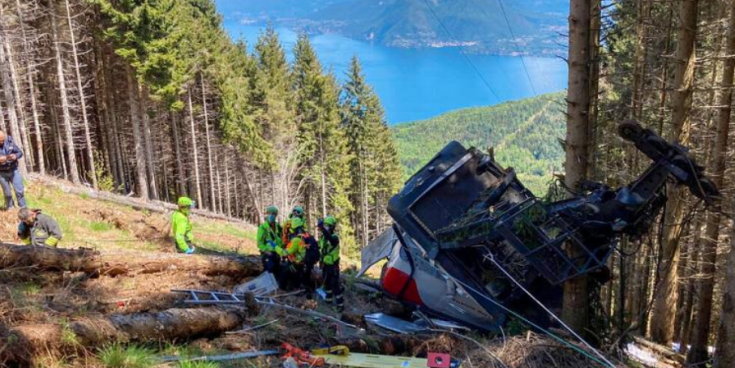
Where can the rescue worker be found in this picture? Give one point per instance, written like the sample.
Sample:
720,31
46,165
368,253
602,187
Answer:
297,211
181,226
10,153
301,243
38,228
270,243
329,247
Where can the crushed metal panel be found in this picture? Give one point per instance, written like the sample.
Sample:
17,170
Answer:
442,324
377,250
394,324
262,285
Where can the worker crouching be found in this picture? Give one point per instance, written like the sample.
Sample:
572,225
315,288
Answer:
329,249
37,228
270,243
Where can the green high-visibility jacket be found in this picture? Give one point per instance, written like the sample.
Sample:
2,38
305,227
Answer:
329,248
296,250
268,234
181,227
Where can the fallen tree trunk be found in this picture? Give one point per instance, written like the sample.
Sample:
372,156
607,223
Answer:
22,342
118,263
661,350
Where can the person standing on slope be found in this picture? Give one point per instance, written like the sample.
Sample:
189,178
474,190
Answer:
181,226
270,243
10,153
329,247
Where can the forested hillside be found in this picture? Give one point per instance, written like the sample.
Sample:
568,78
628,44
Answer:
525,135
152,98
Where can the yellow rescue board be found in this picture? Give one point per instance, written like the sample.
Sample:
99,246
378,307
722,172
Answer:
374,361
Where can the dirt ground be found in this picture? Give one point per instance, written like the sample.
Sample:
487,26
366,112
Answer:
28,296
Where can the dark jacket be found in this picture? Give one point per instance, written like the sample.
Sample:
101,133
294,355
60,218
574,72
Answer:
10,148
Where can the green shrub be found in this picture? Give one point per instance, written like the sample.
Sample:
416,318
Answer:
131,356
100,226
199,364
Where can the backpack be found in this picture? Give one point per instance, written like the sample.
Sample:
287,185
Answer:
312,250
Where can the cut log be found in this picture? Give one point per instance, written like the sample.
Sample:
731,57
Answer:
118,263
661,350
21,342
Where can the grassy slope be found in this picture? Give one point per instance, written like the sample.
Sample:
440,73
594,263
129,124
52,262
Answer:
107,226
524,133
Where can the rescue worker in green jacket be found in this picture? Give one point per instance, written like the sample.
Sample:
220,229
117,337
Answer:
181,226
297,211
297,253
329,247
38,228
269,242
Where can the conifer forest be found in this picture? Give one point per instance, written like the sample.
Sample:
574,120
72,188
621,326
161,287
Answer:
152,100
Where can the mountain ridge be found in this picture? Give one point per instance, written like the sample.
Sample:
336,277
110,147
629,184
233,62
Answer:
477,25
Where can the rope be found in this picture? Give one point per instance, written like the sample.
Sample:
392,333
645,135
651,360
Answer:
461,51
91,241
515,41
600,359
490,353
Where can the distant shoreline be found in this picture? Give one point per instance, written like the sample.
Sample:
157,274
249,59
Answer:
460,109
420,83
506,47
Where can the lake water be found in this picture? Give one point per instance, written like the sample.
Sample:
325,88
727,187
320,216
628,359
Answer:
416,84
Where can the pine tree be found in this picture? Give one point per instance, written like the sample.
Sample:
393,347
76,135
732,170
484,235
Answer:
273,110
324,151
374,163
356,125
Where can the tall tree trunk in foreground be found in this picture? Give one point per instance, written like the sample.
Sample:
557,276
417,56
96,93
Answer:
594,83
701,331
576,296
664,308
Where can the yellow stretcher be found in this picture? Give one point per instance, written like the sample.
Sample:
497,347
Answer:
373,361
